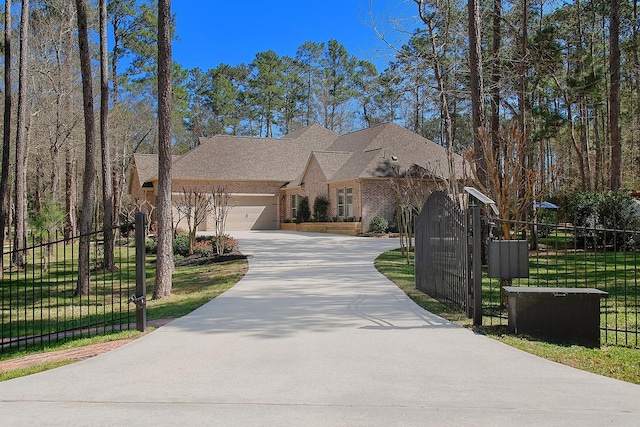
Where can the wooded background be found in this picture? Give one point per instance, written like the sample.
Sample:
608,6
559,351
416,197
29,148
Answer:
554,86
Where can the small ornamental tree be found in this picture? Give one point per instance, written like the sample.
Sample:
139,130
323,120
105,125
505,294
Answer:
50,220
220,205
193,206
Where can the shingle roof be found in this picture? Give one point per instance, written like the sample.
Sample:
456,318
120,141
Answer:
379,148
368,153
252,159
330,162
311,132
147,166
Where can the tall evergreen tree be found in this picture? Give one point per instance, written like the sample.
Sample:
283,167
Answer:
6,137
107,181
335,86
164,263
21,142
88,187
266,82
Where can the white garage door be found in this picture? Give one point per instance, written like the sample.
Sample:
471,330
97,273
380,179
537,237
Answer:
253,213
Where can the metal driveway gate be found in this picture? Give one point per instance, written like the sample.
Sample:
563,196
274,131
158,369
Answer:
442,261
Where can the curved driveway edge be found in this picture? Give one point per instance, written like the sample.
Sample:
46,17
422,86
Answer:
313,335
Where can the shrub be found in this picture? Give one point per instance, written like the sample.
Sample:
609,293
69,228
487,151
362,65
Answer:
304,211
181,245
619,211
126,228
203,248
378,224
151,246
599,214
230,244
321,209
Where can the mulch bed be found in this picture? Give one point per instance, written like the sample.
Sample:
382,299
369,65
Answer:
195,260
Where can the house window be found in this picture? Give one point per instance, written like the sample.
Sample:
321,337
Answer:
340,202
348,204
294,206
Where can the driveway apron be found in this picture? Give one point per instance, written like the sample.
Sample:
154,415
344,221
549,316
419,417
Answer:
313,335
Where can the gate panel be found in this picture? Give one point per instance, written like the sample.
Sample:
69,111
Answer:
441,258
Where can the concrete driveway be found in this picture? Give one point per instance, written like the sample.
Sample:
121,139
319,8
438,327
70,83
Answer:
314,336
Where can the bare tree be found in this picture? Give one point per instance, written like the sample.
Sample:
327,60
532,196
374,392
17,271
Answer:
107,179
165,264
21,142
88,185
193,206
6,137
510,182
220,206
409,190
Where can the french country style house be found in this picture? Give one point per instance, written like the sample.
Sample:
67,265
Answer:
266,177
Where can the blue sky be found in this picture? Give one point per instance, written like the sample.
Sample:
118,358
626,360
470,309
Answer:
212,32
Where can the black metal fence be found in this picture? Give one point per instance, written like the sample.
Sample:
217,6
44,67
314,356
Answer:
39,301
561,255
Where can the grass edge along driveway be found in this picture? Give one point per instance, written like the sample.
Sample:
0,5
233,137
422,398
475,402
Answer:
612,361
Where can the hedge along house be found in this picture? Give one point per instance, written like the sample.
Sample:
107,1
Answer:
266,177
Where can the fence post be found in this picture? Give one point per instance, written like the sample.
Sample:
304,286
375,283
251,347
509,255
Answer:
140,297
476,264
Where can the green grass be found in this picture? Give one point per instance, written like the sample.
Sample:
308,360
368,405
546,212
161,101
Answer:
618,362
39,299
194,286
16,373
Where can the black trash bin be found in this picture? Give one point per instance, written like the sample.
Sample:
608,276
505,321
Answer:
570,315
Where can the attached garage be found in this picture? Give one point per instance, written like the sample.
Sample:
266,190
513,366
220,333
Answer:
252,212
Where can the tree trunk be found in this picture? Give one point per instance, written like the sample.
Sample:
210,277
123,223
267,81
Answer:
21,143
495,75
88,182
614,97
70,228
6,137
164,264
107,181
636,68
477,104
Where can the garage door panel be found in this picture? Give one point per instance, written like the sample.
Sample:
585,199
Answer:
253,213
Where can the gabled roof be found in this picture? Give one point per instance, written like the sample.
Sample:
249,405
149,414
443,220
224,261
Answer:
252,159
147,166
329,161
312,132
369,153
378,150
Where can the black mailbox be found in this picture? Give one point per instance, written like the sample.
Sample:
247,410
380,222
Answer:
508,259
561,314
